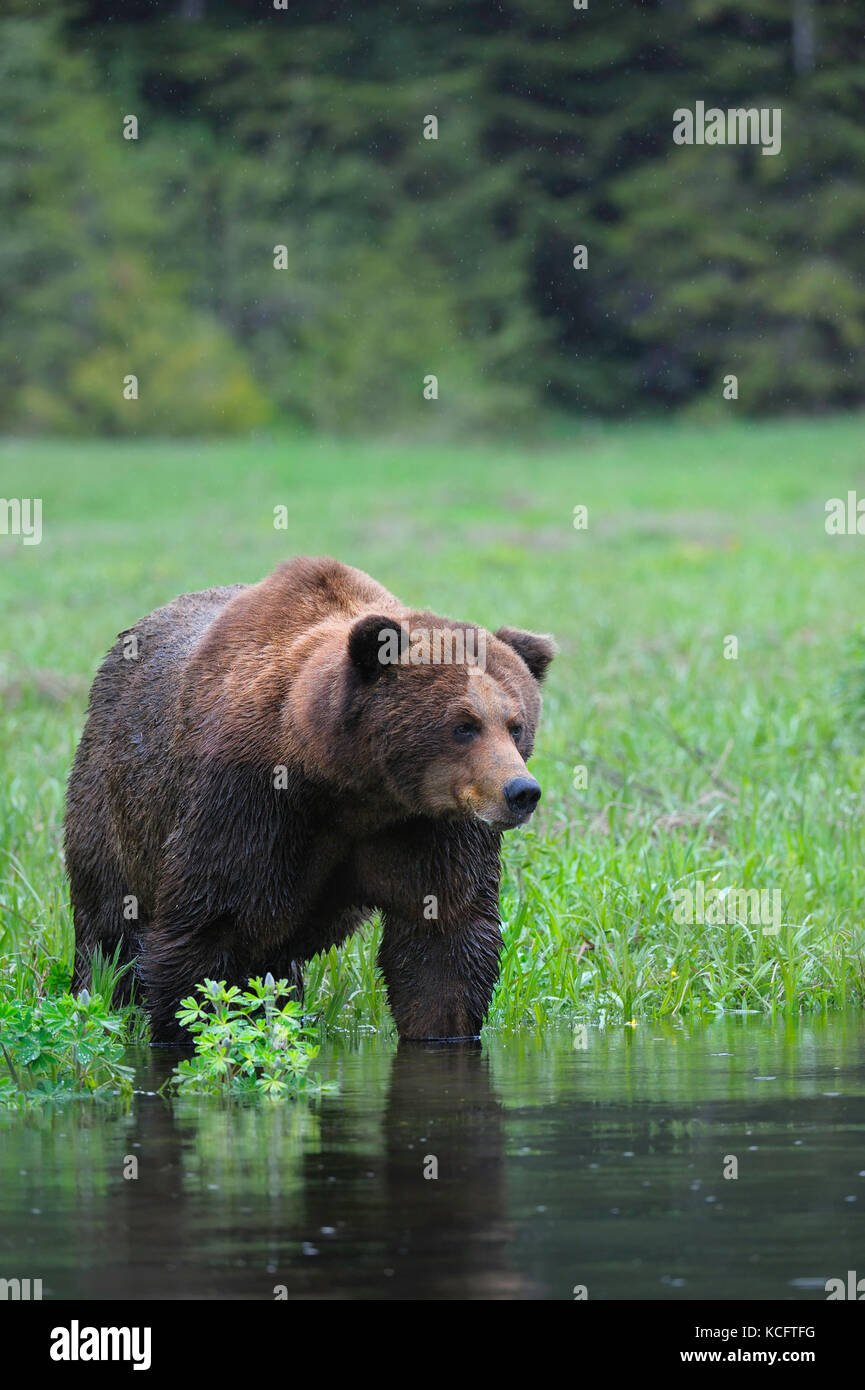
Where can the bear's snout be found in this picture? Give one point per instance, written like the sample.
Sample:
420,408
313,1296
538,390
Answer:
522,795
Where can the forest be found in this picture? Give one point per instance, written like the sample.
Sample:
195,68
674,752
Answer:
301,214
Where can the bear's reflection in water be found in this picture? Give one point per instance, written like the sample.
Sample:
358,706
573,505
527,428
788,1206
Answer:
392,1188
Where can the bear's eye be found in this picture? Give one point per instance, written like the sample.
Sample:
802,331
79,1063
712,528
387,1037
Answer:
464,733
516,732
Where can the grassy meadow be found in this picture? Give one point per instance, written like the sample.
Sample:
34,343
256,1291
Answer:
741,773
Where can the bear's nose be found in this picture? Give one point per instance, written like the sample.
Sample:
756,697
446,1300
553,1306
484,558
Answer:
522,795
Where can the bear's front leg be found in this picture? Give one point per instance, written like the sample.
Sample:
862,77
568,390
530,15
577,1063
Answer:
171,964
440,979
437,885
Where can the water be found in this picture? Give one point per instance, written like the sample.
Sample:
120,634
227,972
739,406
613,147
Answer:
557,1167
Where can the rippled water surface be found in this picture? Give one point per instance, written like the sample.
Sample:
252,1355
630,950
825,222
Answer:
558,1166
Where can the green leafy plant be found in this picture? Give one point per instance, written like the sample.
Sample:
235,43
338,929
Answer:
59,1048
247,1042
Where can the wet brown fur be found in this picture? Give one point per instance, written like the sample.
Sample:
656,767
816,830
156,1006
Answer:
172,799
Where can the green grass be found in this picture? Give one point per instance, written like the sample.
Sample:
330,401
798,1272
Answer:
744,773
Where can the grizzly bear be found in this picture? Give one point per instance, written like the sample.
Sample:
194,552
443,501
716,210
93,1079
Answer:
263,766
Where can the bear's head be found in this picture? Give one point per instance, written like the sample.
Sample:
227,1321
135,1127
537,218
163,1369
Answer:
444,714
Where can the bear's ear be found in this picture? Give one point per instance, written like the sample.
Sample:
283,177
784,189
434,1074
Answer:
376,643
536,650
